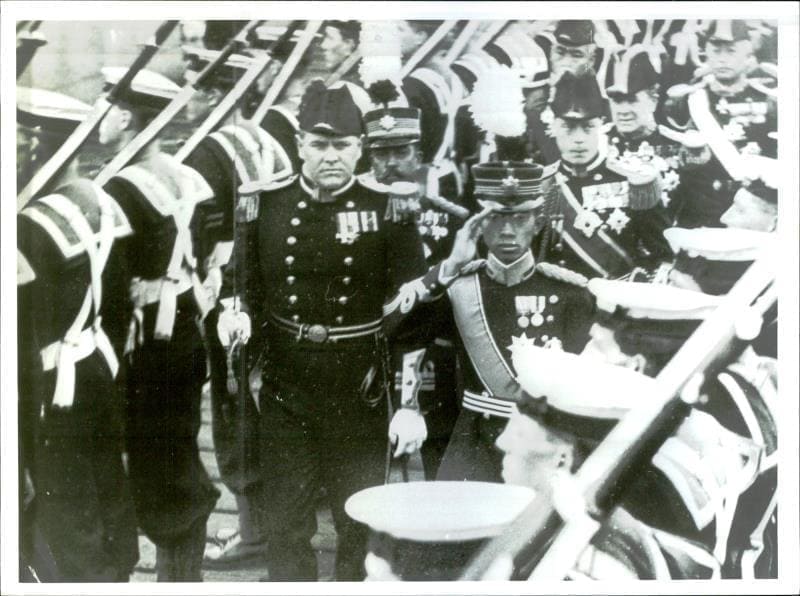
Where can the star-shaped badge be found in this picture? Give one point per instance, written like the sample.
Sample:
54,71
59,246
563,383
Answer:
521,342
587,222
387,122
617,220
510,184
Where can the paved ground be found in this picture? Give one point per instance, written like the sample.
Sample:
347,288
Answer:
225,516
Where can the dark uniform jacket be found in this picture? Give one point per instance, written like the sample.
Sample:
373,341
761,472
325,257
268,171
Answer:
71,434
742,121
602,233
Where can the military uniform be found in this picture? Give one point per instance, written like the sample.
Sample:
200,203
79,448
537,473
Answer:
314,276
81,524
157,272
721,460
608,217
738,123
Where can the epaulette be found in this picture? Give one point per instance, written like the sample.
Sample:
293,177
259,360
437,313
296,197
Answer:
562,274
368,180
247,205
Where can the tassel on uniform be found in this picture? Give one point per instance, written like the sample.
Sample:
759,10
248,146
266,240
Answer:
644,184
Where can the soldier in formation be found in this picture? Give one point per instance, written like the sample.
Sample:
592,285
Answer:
612,151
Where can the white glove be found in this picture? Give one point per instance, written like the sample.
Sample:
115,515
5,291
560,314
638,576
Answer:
408,430
213,284
233,326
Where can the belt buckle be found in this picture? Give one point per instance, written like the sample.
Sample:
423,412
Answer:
317,333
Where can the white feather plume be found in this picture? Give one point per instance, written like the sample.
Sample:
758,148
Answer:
380,52
497,102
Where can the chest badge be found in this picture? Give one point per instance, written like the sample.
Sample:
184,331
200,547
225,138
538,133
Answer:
351,224
530,310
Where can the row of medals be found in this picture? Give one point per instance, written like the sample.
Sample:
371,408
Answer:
531,308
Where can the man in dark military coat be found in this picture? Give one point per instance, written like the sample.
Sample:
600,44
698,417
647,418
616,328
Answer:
314,260
609,217
734,108
157,304
77,521
503,301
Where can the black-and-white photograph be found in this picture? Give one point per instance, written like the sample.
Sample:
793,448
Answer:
394,298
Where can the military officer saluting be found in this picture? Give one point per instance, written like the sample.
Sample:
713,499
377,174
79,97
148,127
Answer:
318,259
609,216
159,297
734,108
80,525
503,301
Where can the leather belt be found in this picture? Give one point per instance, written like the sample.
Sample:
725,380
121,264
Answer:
319,334
487,404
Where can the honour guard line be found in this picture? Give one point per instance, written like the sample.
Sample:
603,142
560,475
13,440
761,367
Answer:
482,242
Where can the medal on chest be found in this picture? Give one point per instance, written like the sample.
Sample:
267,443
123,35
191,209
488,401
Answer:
432,224
531,310
351,224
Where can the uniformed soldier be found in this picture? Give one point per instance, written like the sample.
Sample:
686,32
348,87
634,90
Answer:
569,405
711,260
634,136
723,458
610,215
80,526
159,303
238,152
318,258
734,108
393,136
498,303
572,49
340,40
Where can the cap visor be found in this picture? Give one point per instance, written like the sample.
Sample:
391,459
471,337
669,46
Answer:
395,142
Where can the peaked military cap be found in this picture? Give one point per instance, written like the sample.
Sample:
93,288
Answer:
577,97
512,185
147,90
574,33
631,71
720,244
727,31
430,530
329,111
50,111
650,318
561,390
390,125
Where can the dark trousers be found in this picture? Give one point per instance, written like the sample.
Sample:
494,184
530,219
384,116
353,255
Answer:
318,434
171,488
472,453
81,525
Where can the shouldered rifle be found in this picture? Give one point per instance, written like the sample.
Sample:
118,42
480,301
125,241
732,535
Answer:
28,42
426,48
288,69
70,147
540,539
229,102
176,105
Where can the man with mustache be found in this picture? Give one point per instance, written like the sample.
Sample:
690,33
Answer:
314,259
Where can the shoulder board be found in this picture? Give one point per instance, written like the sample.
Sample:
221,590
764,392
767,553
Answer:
562,274
368,180
25,273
